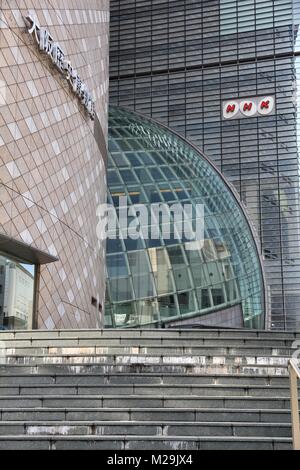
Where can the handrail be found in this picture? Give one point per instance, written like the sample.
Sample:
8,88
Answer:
294,373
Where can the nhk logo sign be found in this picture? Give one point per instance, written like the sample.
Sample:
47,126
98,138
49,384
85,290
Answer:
248,107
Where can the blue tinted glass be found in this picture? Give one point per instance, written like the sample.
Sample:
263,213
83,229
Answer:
177,277
113,177
128,176
133,159
116,265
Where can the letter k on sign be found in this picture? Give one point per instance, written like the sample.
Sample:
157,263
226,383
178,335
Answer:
265,104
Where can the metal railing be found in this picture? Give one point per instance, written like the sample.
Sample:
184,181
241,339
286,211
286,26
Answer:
294,373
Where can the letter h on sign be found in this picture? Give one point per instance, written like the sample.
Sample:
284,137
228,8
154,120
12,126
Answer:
248,106
230,108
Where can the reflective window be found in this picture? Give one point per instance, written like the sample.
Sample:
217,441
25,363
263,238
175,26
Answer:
167,307
116,265
153,281
17,282
143,285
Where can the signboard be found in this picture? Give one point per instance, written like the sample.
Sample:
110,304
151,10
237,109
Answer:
47,44
248,107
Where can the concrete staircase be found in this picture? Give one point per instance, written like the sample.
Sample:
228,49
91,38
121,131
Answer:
145,389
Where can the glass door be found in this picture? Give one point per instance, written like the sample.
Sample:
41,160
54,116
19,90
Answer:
17,293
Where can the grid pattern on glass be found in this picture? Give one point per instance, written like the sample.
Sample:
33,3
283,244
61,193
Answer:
153,281
173,34
177,61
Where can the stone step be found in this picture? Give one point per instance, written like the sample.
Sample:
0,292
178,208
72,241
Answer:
150,359
143,443
148,333
208,367
175,350
182,342
143,428
147,414
144,401
211,390
144,378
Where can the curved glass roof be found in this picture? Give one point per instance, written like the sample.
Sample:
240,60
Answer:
156,281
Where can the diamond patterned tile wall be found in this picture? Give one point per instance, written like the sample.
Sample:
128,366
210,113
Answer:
52,171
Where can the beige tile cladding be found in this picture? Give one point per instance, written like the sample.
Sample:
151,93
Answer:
52,175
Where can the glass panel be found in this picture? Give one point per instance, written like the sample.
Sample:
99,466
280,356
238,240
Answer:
200,275
204,298
125,315
138,262
108,317
156,174
182,279
167,306
167,193
142,175
136,196
113,177
193,256
16,294
164,281
147,311
120,159
133,159
132,245
176,256
218,295
153,194
121,290
161,270
113,245
143,286
231,291
128,176
209,251
215,276
116,265
187,303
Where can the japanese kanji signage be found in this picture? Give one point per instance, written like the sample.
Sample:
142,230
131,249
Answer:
47,45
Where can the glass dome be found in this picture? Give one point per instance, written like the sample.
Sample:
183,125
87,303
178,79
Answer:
161,282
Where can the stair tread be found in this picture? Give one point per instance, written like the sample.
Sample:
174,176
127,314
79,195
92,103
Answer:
146,437
109,409
146,374
147,385
142,423
147,397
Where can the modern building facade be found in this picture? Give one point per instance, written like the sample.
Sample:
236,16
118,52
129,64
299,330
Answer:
183,63
159,274
53,133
